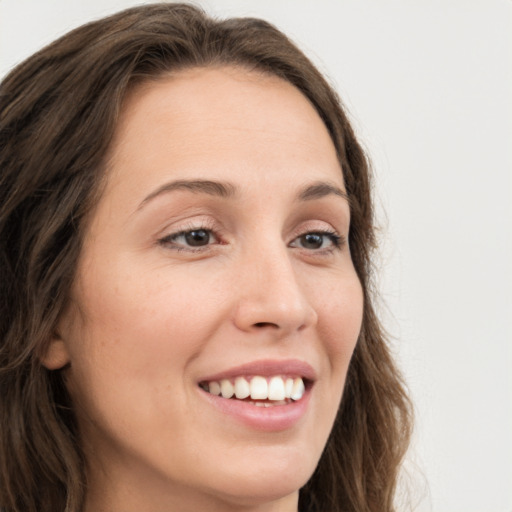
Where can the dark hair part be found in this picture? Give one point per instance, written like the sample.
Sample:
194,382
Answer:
58,113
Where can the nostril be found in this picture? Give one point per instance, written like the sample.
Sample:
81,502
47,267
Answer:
265,324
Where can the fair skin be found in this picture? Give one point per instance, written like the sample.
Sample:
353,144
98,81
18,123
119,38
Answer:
217,250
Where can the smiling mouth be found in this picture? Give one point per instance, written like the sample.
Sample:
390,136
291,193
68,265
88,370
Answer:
258,390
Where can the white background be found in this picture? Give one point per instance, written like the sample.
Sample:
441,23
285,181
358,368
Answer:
429,86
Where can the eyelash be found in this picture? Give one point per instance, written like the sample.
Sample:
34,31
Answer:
336,240
169,241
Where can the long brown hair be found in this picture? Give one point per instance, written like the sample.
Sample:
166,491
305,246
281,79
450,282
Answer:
58,113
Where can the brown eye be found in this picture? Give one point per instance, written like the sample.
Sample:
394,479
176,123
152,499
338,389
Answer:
312,240
197,237
189,239
315,241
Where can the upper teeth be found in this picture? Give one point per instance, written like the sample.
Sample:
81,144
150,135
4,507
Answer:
258,388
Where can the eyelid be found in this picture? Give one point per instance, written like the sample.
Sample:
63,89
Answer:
218,237
314,226
337,238
206,224
337,241
188,224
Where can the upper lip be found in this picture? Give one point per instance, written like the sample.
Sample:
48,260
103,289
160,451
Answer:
266,368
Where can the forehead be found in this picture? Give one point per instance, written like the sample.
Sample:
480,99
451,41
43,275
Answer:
224,122
219,95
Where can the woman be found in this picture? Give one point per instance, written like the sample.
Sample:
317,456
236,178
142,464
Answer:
186,230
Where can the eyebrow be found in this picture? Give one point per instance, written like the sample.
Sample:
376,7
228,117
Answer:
321,189
212,188
316,190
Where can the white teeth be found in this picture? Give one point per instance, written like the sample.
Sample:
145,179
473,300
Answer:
298,389
262,404
268,404
259,388
226,388
288,388
214,388
242,388
276,389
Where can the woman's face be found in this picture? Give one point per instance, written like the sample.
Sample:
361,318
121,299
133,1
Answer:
217,257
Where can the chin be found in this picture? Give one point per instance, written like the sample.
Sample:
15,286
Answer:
270,479
251,493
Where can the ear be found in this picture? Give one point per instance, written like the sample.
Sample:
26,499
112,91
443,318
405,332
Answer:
56,355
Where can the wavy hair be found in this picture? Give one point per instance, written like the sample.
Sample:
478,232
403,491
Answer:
58,113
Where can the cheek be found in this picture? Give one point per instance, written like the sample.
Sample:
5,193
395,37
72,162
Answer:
340,307
339,325
133,320
130,350
340,313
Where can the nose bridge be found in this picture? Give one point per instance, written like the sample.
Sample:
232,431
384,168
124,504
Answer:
270,295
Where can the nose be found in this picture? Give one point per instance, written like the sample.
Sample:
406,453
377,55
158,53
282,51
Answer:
271,297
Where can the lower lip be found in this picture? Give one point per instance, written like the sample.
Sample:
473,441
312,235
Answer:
268,419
